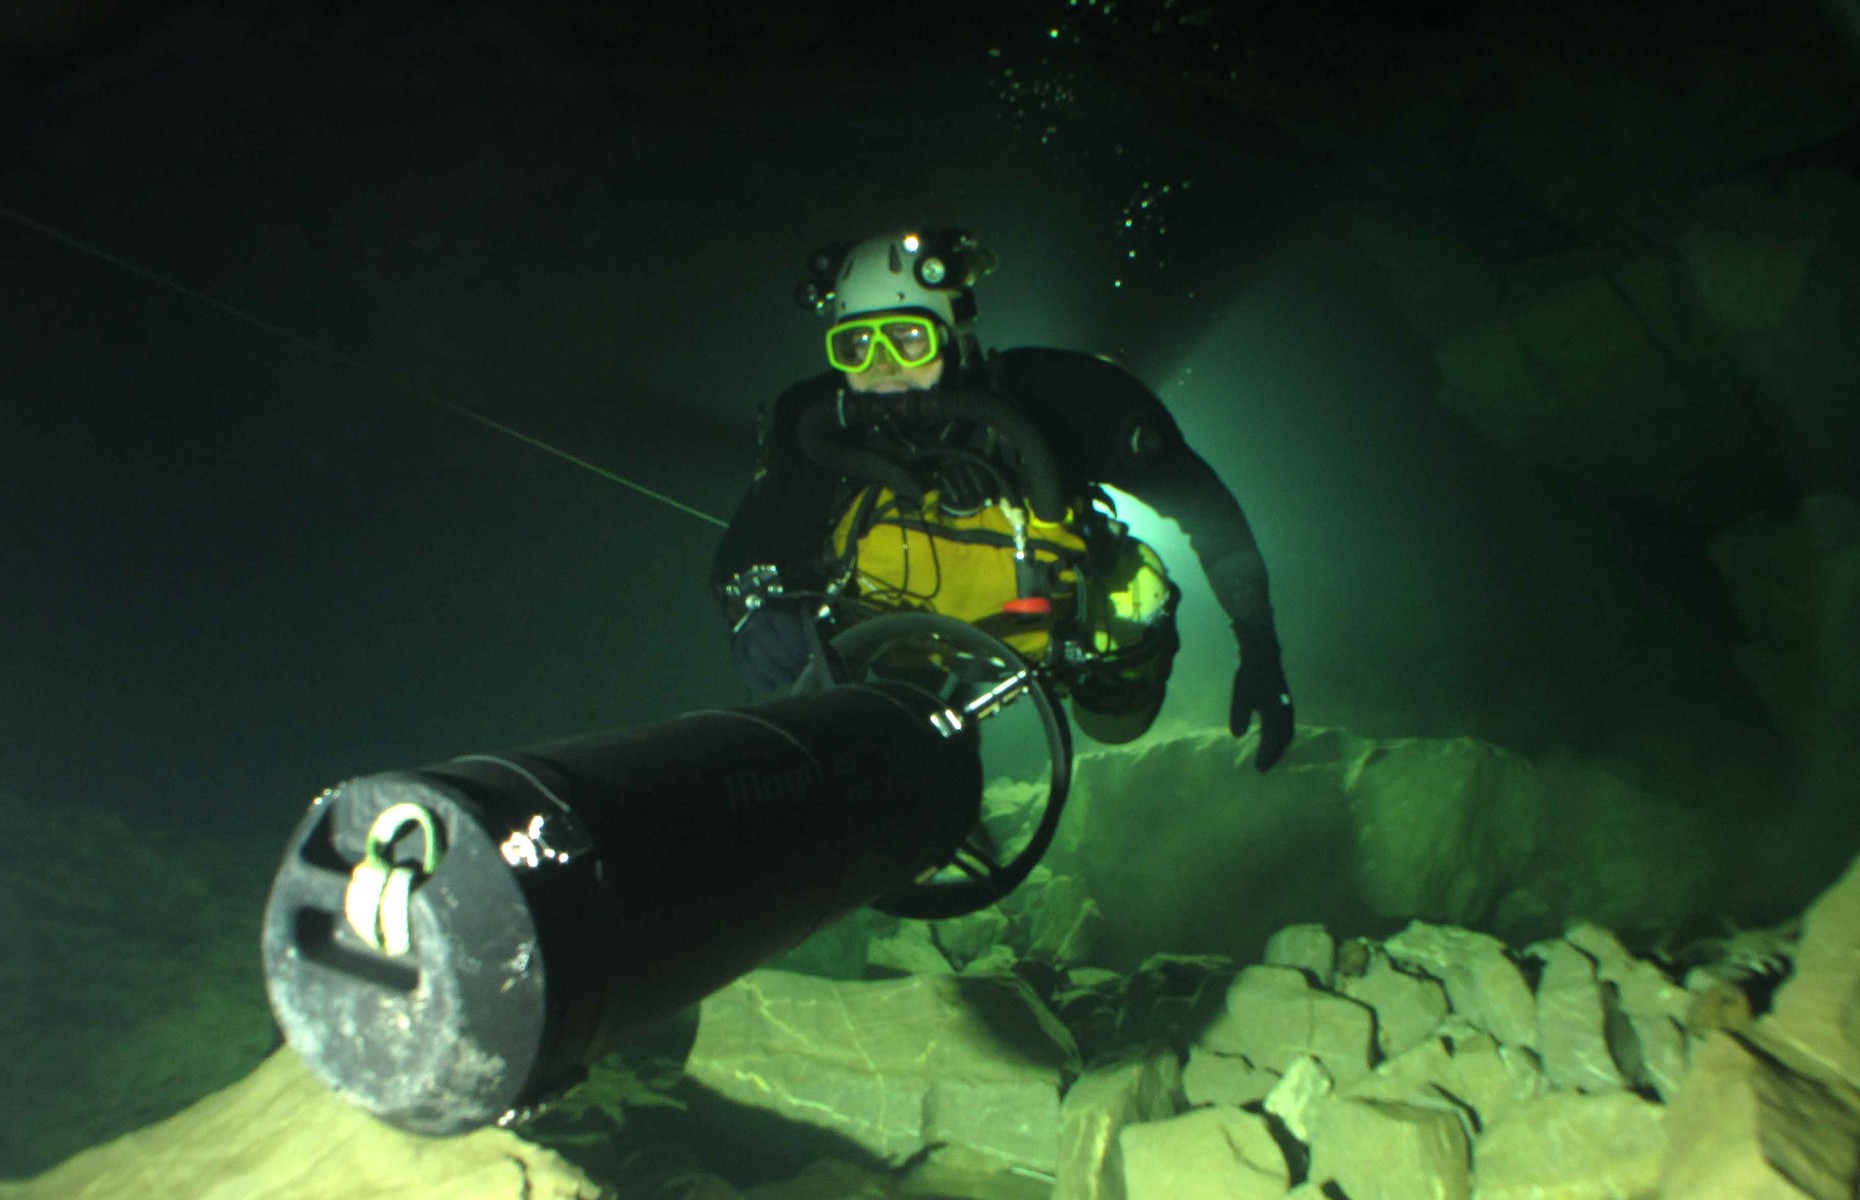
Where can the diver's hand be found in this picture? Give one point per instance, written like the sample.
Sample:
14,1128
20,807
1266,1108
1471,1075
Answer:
771,646
1260,687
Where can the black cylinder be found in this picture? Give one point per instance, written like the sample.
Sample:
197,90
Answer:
589,888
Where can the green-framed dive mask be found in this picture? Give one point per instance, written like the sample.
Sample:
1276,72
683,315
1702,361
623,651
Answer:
912,341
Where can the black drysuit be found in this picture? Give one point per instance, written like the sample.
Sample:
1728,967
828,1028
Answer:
1103,425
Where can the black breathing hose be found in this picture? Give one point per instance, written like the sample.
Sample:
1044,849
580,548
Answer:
850,410
815,433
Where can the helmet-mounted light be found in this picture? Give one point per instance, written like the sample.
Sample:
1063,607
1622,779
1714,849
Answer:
809,296
945,263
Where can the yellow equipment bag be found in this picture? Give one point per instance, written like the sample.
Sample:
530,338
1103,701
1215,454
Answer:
1129,599
962,566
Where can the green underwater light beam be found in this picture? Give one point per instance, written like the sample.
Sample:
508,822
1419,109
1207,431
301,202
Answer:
337,356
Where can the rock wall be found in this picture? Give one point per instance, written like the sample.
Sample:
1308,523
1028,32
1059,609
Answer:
1435,1063
280,1134
1795,580
1712,375
1184,847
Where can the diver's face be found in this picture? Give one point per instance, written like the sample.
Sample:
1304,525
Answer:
886,342
886,374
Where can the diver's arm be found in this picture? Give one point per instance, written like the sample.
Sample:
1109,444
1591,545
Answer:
1127,438
779,520
1153,462
1187,489
1105,426
1183,487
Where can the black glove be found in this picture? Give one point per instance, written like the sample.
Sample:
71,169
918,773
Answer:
771,646
1260,687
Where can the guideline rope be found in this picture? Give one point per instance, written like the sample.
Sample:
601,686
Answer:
337,356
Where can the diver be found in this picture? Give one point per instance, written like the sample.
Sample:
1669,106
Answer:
919,473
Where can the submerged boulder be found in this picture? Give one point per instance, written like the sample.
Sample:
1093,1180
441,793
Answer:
281,1134
973,1064
1182,844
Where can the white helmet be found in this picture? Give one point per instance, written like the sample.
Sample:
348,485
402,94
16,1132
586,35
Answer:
881,273
933,271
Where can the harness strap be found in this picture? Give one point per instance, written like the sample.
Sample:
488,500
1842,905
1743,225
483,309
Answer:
979,537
